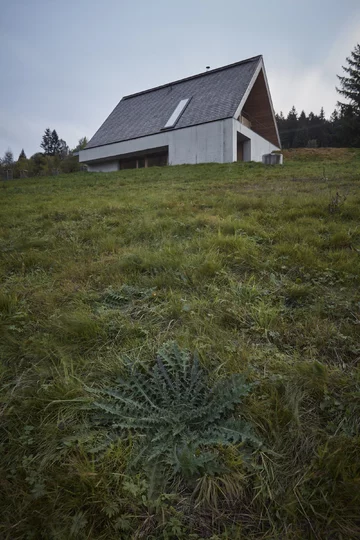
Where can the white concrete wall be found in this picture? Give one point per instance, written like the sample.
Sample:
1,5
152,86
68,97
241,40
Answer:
247,151
215,142
258,146
125,147
206,143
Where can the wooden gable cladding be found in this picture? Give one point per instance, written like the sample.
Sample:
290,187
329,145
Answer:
257,110
240,150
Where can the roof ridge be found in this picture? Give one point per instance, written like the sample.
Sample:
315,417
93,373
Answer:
203,74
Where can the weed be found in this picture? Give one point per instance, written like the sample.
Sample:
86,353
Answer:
177,417
336,201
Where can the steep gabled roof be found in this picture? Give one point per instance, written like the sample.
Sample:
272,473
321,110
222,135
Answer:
214,95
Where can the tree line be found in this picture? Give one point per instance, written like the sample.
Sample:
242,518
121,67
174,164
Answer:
317,131
56,157
342,129
313,130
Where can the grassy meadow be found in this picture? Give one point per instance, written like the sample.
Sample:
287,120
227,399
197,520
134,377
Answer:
257,269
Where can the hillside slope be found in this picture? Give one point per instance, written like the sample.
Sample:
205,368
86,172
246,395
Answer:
257,269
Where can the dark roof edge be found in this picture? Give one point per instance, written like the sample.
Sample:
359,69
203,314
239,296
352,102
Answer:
204,73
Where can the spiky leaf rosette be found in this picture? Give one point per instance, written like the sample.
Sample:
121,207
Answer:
176,415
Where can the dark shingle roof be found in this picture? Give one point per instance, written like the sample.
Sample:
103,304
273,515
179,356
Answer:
214,95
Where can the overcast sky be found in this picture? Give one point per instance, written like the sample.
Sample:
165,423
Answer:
66,64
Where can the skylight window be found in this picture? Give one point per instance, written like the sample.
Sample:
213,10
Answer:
176,114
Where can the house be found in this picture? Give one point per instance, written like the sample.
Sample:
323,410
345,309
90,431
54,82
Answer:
222,115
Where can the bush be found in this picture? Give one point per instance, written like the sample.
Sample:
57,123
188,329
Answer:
70,164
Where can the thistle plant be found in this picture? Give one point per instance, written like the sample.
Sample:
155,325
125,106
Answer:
177,417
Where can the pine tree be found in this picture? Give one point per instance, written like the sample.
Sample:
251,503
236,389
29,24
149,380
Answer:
292,114
281,124
302,136
8,158
349,128
51,143
56,144
335,116
321,129
350,86
22,155
46,143
335,129
291,124
350,89
63,149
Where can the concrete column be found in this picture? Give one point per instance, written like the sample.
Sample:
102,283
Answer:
229,141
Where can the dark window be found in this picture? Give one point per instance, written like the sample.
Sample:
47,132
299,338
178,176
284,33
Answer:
157,160
141,163
128,164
